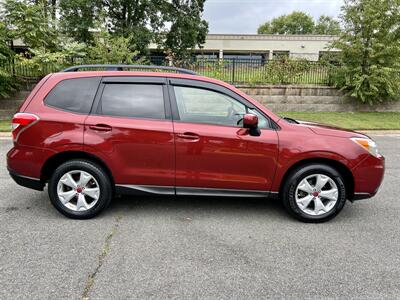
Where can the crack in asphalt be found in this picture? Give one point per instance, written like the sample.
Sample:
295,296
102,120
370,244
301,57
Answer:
103,255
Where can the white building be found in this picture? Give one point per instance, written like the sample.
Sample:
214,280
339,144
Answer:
264,46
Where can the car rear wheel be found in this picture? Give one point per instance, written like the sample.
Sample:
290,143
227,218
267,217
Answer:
80,189
314,193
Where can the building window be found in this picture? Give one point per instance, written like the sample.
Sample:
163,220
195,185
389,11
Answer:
206,55
280,54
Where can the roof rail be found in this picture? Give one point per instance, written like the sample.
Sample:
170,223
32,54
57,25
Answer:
121,67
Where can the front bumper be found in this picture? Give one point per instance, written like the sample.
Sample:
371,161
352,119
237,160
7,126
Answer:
368,177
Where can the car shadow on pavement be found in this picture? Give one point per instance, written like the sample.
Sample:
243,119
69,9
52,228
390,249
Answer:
198,204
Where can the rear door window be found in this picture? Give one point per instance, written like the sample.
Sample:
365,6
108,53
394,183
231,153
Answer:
75,95
133,100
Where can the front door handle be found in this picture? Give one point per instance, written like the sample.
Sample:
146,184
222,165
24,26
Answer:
101,127
189,136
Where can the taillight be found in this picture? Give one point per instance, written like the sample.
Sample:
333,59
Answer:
22,121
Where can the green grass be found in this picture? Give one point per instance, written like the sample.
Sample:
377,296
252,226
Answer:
349,120
5,125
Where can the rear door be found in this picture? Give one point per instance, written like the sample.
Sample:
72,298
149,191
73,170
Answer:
130,128
211,151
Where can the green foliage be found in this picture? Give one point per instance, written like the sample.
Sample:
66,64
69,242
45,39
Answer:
42,62
5,51
295,23
78,18
327,25
300,23
73,51
113,49
8,83
370,45
187,30
175,25
140,20
284,71
29,22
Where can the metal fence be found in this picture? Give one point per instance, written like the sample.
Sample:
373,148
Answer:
233,70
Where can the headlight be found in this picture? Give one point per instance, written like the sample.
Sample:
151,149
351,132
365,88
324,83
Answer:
368,145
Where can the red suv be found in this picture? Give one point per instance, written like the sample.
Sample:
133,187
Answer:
90,135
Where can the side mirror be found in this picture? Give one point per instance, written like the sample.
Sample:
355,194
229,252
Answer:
250,121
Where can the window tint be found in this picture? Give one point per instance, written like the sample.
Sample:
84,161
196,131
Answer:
204,106
74,94
133,100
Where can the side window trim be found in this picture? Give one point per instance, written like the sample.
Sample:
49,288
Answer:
211,87
97,108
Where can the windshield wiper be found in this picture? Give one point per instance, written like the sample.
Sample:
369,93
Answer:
290,120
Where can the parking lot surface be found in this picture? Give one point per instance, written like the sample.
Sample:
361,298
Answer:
191,248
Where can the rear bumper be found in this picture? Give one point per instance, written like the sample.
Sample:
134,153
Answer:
29,182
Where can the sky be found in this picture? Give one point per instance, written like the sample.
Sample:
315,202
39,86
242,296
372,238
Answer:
244,16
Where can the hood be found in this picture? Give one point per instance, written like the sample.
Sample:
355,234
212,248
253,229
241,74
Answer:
329,130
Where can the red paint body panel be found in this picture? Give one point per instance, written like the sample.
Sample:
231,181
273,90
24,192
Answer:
167,153
368,175
137,151
222,158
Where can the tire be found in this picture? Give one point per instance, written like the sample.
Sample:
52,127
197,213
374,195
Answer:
86,200
296,193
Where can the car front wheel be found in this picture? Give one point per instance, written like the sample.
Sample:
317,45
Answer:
314,193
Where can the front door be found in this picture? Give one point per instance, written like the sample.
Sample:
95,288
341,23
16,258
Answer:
211,151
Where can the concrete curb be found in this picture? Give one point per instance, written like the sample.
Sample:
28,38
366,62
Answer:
5,134
380,132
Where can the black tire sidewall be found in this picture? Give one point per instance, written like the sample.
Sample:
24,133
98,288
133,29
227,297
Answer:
299,174
94,170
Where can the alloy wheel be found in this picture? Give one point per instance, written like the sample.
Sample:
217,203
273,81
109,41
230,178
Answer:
317,194
78,190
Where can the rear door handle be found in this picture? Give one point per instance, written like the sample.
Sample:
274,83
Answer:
189,136
101,127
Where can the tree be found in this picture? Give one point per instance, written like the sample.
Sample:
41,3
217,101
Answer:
175,25
78,18
28,22
327,25
370,44
295,23
113,49
140,20
7,81
187,30
5,37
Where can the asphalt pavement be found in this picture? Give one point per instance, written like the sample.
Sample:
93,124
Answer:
200,248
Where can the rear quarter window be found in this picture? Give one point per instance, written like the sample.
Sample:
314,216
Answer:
75,95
